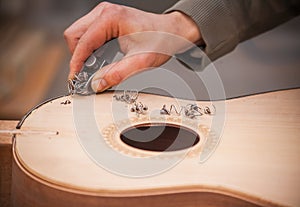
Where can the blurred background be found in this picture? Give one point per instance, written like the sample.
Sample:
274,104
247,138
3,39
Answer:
34,60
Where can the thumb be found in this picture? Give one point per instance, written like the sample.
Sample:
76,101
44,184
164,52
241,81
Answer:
114,73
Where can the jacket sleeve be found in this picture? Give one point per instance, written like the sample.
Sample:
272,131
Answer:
225,23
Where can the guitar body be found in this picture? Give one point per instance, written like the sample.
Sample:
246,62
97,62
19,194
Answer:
255,160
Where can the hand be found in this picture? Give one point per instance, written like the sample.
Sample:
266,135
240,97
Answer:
107,21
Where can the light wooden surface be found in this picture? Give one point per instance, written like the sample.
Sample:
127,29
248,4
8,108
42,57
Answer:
6,162
257,159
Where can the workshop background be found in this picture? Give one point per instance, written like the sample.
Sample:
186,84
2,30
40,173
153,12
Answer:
34,57
34,60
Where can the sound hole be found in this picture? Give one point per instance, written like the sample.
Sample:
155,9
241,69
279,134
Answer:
159,137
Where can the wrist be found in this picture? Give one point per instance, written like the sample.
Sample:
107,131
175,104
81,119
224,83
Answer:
185,27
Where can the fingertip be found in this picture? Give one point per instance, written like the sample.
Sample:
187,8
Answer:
71,76
99,85
95,85
75,66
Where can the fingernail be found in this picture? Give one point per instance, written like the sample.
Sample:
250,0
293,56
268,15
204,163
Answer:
99,85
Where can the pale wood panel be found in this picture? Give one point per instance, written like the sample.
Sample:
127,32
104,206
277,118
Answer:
257,159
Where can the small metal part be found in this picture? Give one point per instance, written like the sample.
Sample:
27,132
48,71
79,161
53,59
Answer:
66,102
81,84
139,108
164,110
71,87
128,96
208,110
103,56
190,110
173,107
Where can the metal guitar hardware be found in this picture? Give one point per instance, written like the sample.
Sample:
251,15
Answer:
139,108
190,110
130,97
110,52
208,111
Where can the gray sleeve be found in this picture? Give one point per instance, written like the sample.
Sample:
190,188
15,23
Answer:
225,23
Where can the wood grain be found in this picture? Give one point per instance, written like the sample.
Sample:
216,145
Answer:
257,160
6,162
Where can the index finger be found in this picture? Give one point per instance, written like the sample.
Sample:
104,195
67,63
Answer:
97,34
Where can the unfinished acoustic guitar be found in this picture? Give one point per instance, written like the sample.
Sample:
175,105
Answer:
254,162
